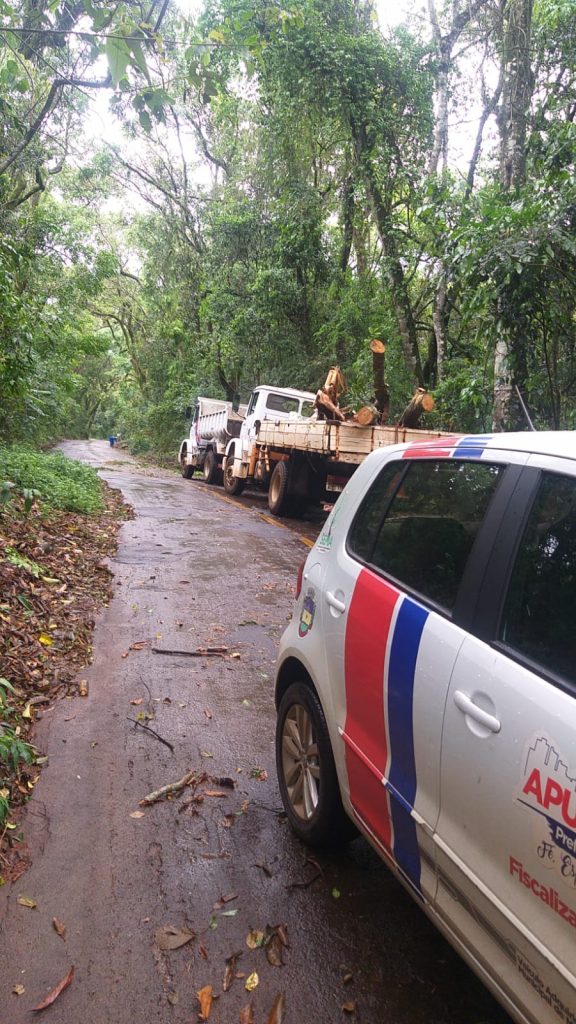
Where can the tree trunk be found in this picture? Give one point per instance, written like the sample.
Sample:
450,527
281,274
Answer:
517,89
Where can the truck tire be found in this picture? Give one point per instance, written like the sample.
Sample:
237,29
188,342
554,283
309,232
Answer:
232,484
212,471
187,472
279,500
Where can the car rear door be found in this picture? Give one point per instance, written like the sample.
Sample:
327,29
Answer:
390,599
506,835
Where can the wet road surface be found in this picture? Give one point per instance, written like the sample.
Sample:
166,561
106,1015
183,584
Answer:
195,569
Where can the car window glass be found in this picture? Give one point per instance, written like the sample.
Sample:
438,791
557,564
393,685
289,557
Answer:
540,611
430,527
371,512
307,409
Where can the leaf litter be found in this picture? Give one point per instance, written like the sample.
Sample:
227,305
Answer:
48,617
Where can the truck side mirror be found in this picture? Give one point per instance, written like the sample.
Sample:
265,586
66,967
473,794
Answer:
188,412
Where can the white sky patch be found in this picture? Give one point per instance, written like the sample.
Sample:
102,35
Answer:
102,127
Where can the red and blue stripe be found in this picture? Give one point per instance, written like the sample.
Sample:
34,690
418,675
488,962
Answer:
380,667
470,446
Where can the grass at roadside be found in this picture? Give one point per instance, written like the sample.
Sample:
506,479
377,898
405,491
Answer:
52,583
58,482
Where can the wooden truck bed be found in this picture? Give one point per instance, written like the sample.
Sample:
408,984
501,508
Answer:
338,442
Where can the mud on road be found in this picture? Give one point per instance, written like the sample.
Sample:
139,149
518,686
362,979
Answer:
195,570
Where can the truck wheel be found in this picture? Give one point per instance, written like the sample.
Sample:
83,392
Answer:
306,770
232,484
187,472
212,471
279,500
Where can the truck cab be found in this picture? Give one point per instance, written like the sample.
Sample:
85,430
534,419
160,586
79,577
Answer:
266,403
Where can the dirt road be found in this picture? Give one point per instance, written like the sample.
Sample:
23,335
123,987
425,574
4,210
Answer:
195,569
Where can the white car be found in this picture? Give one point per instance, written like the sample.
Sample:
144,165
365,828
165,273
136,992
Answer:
426,693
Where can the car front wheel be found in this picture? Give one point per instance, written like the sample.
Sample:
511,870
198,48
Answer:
306,770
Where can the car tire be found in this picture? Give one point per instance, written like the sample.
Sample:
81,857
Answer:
212,471
233,485
306,770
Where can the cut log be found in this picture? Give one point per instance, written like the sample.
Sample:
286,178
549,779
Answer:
422,401
381,394
366,416
327,408
334,385
327,397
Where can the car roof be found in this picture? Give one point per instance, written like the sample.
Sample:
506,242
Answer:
559,443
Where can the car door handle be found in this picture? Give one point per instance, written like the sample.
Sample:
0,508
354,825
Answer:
334,602
468,707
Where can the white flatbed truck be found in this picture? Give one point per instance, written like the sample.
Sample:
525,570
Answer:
298,459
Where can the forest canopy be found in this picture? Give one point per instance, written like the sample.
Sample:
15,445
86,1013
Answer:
277,185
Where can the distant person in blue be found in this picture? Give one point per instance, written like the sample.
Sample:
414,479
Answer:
112,440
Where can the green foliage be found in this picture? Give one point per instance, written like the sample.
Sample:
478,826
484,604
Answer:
61,483
13,750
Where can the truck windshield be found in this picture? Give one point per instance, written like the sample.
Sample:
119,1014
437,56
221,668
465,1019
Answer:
282,403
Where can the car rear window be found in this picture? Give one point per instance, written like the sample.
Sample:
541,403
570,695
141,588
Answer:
539,619
419,521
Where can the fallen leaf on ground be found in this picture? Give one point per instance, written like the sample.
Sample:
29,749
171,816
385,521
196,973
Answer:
214,792
225,899
18,990
169,937
247,1015
205,998
274,944
173,998
349,1007
25,901
137,700
139,645
259,773
276,1015
53,995
203,951
231,962
59,927
228,913
255,939
251,982
207,713
224,780
136,814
